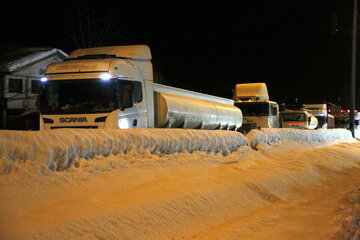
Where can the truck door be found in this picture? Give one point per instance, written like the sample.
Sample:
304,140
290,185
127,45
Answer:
274,116
132,107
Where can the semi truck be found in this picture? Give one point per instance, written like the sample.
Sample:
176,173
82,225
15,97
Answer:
325,120
113,87
299,119
258,111
342,119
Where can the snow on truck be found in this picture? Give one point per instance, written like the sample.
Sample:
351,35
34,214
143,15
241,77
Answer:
325,120
112,87
258,111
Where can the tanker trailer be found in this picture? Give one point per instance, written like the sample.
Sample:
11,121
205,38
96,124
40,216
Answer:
112,87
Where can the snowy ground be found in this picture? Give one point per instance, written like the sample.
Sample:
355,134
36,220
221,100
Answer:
179,184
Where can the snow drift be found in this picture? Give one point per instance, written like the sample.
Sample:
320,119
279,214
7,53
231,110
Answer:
176,184
269,135
59,149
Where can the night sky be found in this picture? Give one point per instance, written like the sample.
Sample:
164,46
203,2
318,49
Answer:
300,49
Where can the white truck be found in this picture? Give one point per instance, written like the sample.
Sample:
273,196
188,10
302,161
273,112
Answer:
298,119
325,120
112,87
258,111
342,120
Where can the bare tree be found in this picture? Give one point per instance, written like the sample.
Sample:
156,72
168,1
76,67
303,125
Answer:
92,26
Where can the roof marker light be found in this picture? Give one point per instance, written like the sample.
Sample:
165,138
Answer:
105,76
43,79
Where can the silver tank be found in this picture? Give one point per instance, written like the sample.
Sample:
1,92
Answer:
179,108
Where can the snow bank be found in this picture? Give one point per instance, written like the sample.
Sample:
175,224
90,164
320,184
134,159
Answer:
269,135
159,184
59,149
195,195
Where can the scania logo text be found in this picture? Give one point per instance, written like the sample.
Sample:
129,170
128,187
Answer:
72,119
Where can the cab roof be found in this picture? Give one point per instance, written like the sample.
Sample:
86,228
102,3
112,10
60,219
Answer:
252,91
127,51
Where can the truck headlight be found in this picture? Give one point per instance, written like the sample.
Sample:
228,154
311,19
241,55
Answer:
123,123
105,76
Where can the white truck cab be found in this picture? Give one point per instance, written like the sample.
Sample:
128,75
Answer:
298,119
325,120
258,111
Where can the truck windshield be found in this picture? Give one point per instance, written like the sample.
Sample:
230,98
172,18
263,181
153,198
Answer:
293,117
253,108
87,96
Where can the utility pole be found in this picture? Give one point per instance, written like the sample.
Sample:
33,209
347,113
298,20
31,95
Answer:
353,72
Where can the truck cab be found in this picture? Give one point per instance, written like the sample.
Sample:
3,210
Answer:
298,119
94,86
325,120
260,114
258,111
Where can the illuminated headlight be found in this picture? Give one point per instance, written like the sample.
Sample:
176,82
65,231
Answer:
105,76
123,123
43,79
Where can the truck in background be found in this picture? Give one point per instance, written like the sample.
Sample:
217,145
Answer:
258,111
342,119
325,120
112,87
299,119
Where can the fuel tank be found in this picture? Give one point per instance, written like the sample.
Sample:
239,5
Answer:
179,108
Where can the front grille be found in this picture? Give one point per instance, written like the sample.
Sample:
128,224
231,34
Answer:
74,127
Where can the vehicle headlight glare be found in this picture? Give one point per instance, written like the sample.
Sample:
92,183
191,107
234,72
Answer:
123,123
105,76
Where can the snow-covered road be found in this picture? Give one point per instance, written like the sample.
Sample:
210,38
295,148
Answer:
177,184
